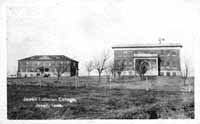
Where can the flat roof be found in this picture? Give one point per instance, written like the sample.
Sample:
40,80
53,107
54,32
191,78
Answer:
147,45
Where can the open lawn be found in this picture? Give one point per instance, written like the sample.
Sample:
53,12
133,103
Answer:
105,101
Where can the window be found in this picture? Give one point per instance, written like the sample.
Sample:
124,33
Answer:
174,73
162,63
167,63
57,57
161,52
174,53
161,73
67,62
68,69
174,64
46,69
168,73
125,52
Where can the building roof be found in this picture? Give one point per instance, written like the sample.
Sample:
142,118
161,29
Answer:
47,58
147,45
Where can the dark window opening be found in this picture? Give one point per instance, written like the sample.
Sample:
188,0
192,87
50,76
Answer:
38,74
46,69
168,73
174,73
174,53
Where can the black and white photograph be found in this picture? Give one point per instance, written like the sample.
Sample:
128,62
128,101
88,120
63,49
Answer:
101,59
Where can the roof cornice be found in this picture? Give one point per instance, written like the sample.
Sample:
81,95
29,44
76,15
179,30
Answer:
147,46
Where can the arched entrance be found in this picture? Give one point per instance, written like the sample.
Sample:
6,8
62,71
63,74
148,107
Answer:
146,64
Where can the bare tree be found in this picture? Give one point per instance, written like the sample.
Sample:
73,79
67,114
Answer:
110,70
100,63
60,69
185,71
89,67
119,67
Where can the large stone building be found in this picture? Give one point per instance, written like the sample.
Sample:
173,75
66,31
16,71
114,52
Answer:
159,59
47,65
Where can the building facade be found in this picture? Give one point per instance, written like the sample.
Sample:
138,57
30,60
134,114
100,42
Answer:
47,66
159,59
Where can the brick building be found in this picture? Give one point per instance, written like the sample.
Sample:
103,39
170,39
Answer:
160,59
47,65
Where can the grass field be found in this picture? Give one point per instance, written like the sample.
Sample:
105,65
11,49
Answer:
101,102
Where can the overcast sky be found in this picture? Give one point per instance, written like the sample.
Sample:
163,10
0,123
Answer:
82,29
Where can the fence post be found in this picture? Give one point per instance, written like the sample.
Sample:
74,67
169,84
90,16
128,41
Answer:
147,84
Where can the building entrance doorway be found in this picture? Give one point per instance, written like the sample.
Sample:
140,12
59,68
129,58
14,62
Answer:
146,64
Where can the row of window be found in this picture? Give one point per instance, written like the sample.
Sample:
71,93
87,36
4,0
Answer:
124,62
38,75
161,73
126,53
38,70
44,63
169,64
168,74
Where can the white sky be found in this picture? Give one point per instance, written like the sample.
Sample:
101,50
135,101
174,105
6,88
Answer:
82,29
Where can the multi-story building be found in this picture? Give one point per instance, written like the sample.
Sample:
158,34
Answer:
47,65
159,59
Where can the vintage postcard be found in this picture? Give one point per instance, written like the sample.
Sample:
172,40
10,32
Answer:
102,59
